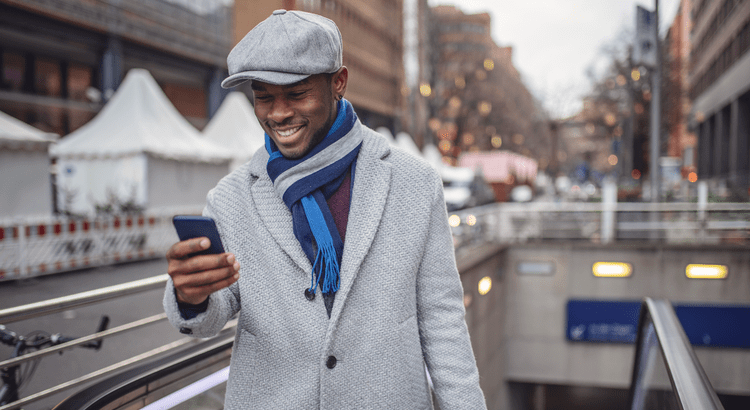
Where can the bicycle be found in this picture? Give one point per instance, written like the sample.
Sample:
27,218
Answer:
15,377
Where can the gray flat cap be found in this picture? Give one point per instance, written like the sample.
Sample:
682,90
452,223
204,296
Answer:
287,47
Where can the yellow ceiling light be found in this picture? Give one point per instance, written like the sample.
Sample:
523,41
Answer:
699,271
612,269
485,284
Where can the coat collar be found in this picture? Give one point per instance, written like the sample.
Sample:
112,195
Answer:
371,182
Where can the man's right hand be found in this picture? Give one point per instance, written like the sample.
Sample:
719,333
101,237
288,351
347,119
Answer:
196,277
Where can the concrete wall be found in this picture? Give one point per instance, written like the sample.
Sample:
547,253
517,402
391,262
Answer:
25,183
485,318
519,328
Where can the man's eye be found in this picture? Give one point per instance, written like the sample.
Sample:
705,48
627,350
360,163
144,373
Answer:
263,98
297,94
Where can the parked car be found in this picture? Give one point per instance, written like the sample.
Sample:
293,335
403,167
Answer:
463,188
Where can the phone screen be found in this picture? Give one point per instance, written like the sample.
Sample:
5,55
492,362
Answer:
189,226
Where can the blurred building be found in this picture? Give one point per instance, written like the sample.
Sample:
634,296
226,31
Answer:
62,59
720,91
373,49
477,99
681,142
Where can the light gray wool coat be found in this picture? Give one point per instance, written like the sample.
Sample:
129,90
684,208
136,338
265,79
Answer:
400,305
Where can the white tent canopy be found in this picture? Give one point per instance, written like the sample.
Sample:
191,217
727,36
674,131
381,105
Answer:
139,118
24,166
406,143
12,129
236,128
137,150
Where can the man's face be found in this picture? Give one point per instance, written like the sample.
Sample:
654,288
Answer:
296,116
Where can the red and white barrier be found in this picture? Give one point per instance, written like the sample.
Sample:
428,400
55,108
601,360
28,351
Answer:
39,246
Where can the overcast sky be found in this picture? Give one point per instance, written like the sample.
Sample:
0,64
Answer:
556,41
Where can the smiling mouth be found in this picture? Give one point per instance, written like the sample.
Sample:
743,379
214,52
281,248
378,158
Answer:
285,134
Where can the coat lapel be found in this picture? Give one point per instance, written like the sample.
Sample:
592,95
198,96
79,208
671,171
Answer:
274,214
372,178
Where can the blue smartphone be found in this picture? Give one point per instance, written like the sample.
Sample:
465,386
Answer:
190,226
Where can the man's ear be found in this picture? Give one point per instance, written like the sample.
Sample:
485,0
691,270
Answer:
339,81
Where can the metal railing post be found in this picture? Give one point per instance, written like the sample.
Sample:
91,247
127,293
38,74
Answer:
609,206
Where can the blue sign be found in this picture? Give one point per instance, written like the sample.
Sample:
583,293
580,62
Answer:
617,322
603,321
715,325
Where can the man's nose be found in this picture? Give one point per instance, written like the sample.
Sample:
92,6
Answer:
280,111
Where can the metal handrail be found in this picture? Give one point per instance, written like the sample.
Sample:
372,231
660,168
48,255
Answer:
46,307
599,206
690,385
82,340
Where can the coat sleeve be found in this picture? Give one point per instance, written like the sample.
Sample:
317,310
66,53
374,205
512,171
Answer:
442,328
222,305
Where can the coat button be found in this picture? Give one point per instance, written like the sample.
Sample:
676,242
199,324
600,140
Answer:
309,295
331,362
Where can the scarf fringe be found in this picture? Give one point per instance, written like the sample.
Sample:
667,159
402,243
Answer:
326,262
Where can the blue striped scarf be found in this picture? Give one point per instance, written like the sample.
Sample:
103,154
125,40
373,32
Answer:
305,183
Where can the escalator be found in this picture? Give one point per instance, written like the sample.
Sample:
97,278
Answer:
191,378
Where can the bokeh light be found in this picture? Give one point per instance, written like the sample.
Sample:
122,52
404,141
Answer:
460,82
454,220
497,141
468,138
471,220
489,65
484,108
434,124
425,90
693,177
636,174
635,74
612,159
445,145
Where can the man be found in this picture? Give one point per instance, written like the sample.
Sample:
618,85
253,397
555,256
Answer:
327,208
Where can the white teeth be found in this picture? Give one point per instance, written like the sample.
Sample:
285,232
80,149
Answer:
287,132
